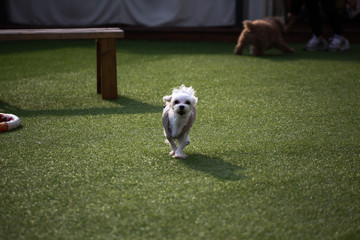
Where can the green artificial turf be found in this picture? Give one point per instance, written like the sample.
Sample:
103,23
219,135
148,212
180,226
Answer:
275,150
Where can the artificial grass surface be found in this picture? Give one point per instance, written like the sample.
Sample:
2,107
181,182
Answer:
274,155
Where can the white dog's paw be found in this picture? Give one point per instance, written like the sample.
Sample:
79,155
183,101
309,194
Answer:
172,153
180,156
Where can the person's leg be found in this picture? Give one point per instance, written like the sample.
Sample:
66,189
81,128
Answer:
338,42
312,6
317,42
333,16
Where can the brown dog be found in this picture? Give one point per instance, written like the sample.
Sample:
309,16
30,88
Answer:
262,35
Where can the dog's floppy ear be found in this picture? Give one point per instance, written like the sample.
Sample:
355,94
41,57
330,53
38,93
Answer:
167,98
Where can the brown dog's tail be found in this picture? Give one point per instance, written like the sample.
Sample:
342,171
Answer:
278,22
248,24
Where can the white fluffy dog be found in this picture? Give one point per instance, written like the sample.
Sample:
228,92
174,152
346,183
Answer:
178,117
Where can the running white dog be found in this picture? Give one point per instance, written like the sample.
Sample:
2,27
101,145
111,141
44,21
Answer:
178,117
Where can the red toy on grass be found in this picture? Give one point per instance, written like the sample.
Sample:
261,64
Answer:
8,122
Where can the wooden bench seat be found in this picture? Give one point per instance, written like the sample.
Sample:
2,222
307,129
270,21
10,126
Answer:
105,49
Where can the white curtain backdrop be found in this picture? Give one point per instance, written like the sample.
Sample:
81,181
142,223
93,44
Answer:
263,8
178,13
63,12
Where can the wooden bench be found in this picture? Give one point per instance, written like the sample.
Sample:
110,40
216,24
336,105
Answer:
105,49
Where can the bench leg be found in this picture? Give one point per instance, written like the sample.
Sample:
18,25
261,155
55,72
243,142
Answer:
98,67
106,68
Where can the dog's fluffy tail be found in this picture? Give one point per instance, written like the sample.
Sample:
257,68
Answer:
247,24
279,23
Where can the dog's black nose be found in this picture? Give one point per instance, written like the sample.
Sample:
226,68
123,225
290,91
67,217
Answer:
181,107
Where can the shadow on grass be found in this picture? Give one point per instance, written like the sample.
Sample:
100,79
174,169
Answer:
299,54
165,48
214,166
126,106
158,48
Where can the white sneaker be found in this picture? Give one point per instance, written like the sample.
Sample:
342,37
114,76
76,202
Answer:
316,44
338,43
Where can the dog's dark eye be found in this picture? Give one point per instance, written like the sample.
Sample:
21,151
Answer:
187,102
176,102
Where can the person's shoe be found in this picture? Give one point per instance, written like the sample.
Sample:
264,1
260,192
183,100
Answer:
316,44
338,43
